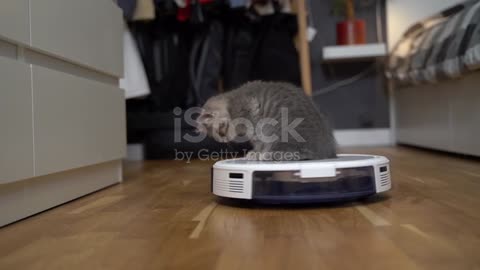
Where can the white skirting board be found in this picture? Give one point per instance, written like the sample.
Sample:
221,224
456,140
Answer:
364,137
135,152
21,199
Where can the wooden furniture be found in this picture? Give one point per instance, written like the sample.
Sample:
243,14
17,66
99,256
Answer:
163,216
303,46
62,115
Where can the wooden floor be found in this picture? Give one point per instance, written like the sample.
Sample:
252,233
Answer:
164,217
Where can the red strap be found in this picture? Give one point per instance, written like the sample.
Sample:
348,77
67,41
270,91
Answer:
183,14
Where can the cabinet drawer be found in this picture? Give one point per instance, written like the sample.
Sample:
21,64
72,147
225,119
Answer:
78,122
87,32
424,117
464,105
14,20
16,135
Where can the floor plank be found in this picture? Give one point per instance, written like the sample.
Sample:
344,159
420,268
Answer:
164,217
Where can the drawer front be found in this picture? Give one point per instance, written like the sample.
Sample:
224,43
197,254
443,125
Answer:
87,32
422,117
14,20
465,114
16,134
78,122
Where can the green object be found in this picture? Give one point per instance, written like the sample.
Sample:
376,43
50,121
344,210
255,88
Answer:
339,7
344,8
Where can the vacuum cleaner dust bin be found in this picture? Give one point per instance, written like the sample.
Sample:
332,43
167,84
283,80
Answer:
347,177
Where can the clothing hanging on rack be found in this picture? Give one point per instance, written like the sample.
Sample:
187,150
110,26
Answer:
128,8
260,48
206,62
135,80
276,58
181,3
240,42
164,45
238,3
265,8
145,10
194,49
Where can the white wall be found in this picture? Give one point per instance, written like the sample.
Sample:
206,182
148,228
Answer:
401,14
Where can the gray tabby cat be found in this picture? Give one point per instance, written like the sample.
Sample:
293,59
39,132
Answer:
278,119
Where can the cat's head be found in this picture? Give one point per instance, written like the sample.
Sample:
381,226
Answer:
214,119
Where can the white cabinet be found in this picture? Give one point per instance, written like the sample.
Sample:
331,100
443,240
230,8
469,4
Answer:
465,115
422,123
443,116
87,32
62,115
78,122
14,20
16,137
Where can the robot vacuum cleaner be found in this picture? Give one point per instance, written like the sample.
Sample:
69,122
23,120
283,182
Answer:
347,177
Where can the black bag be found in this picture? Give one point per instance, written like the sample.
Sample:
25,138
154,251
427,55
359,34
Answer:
164,46
206,62
260,48
240,43
276,58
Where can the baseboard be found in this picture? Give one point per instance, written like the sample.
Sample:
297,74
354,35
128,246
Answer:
135,152
364,137
24,198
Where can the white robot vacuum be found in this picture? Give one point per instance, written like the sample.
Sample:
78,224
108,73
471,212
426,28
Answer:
347,177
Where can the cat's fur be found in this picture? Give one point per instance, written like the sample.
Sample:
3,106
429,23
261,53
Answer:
258,100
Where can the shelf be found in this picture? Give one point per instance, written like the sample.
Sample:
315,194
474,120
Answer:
354,52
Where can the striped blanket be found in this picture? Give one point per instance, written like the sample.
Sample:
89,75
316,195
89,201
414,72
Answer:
443,46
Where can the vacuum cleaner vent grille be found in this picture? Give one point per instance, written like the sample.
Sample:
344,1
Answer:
385,179
234,186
